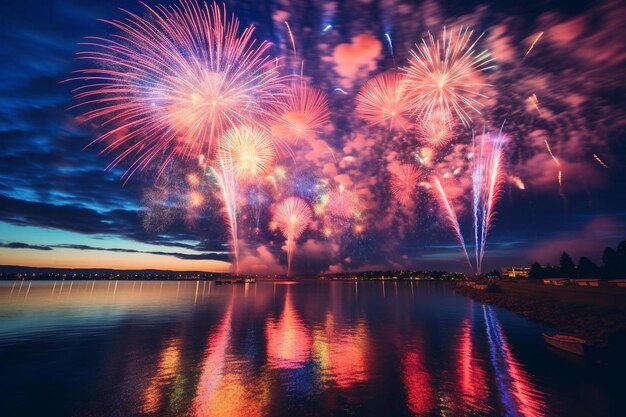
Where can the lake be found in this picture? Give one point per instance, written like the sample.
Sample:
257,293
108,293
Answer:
310,348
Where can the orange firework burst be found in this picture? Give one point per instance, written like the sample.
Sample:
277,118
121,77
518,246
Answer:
403,183
443,74
171,83
247,151
383,101
436,129
292,216
303,113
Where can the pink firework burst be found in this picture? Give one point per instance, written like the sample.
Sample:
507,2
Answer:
171,83
383,101
303,112
292,216
403,183
444,74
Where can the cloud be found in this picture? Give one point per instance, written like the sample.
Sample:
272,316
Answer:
356,58
589,241
261,261
20,245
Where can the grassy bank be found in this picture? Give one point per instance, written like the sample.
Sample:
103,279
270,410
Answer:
598,315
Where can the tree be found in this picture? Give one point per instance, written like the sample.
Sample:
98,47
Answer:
536,271
609,258
586,268
567,265
621,249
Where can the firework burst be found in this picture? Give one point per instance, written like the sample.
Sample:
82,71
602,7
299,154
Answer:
246,151
403,183
303,112
443,74
170,84
436,129
383,101
292,216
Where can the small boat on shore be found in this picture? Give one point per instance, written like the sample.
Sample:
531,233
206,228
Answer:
571,344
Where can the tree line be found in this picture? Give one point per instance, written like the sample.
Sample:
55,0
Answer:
613,266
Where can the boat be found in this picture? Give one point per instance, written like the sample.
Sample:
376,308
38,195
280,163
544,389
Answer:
571,344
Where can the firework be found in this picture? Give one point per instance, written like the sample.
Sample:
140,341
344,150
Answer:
533,44
556,161
487,181
303,112
443,75
292,216
436,129
451,216
171,83
247,151
517,181
597,158
403,183
383,101
342,203
535,102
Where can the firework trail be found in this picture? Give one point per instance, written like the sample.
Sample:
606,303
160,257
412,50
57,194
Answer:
393,57
443,74
293,42
535,102
517,181
383,101
487,181
597,158
533,44
556,161
292,216
228,188
451,216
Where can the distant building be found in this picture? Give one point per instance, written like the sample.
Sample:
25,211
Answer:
514,272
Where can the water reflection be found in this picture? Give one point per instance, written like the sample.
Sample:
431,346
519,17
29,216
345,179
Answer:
517,392
312,348
288,340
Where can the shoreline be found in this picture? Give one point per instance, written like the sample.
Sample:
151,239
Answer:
596,315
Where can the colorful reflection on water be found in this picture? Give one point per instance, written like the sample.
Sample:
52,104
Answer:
120,348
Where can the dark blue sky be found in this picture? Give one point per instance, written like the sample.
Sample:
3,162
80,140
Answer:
59,207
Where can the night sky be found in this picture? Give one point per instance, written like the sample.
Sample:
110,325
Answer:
60,207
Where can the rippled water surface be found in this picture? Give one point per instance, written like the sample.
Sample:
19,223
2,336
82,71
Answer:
312,348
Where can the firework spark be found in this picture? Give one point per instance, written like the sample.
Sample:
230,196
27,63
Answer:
247,151
443,74
292,217
383,101
303,112
403,183
171,83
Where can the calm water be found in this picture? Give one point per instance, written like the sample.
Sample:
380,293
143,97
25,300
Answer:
306,349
